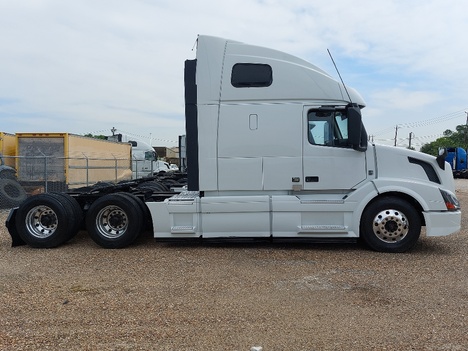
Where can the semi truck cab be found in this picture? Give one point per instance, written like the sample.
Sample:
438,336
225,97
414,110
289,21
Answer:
277,148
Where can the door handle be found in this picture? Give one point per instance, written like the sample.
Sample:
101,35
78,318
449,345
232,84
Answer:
312,179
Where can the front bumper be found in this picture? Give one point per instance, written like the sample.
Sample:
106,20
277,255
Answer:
442,223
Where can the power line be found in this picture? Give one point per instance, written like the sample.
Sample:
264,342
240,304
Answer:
96,132
138,136
435,120
146,137
427,122
383,131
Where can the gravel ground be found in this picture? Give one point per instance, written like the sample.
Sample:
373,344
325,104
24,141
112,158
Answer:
160,296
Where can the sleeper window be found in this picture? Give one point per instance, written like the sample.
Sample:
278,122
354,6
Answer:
251,75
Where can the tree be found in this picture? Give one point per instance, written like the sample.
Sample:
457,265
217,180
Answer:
458,138
89,135
432,148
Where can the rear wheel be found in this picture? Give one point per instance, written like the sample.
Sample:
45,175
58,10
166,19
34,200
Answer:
390,224
114,221
43,221
146,215
75,210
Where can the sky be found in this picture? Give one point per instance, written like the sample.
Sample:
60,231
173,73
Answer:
92,65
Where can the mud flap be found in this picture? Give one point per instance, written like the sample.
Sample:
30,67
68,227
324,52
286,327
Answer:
11,226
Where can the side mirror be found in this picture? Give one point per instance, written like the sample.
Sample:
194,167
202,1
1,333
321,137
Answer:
357,135
441,158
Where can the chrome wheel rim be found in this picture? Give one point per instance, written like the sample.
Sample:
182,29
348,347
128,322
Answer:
41,222
390,226
111,222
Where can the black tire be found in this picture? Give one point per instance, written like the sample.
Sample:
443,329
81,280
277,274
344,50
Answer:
168,183
12,193
99,185
7,173
147,223
43,221
153,186
390,224
75,211
113,221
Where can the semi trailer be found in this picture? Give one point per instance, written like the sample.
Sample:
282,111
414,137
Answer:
11,192
276,149
7,150
7,156
457,158
70,160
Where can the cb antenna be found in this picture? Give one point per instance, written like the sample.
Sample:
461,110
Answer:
339,75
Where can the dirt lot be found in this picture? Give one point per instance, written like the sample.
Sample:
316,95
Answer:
155,296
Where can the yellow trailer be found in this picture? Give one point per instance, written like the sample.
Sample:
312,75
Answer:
7,149
71,159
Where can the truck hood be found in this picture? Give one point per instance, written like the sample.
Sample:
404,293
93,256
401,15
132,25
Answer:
394,162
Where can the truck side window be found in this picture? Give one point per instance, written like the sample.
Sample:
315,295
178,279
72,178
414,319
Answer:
251,75
328,128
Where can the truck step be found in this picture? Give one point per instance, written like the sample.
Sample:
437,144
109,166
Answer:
182,229
322,228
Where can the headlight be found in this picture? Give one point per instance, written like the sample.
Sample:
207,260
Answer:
451,201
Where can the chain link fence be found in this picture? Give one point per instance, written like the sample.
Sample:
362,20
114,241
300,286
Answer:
21,176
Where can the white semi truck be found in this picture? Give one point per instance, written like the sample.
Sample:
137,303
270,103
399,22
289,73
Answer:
276,148
145,160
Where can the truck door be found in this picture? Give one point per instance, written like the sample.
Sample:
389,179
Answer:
329,161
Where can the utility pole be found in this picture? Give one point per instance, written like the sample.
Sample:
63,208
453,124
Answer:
396,134
411,134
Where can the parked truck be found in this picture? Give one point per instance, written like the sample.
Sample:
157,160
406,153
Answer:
276,148
145,160
456,157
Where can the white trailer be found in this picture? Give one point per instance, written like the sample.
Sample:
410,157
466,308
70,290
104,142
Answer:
276,148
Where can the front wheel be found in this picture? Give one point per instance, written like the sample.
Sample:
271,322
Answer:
390,224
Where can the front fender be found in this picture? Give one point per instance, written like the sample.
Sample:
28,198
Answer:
427,195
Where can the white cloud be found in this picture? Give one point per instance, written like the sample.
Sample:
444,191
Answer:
86,66
404,99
